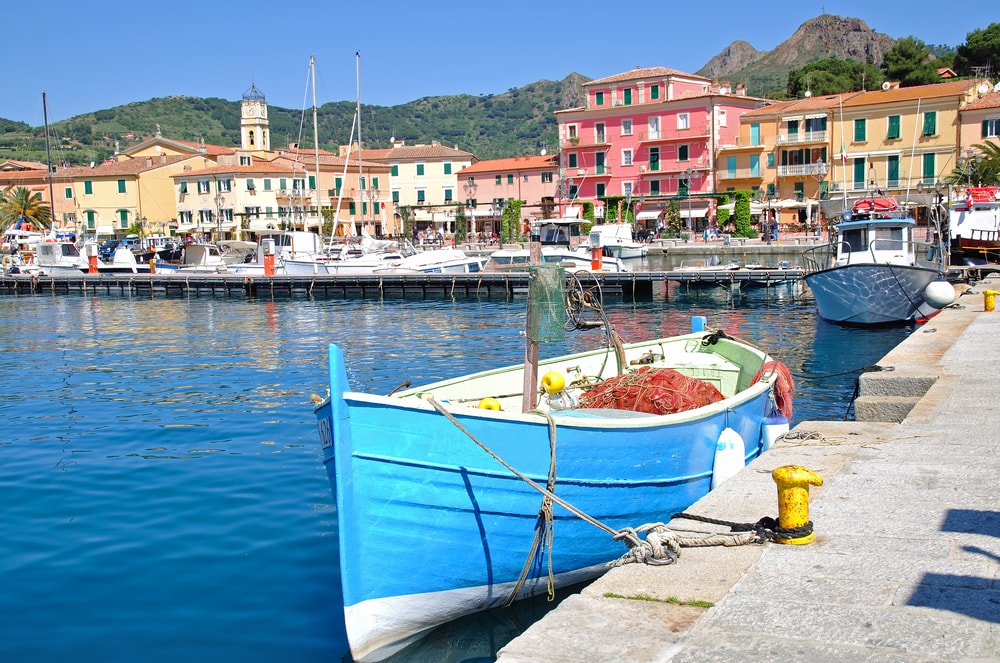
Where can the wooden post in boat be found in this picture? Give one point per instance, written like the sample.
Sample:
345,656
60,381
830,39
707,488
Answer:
530,398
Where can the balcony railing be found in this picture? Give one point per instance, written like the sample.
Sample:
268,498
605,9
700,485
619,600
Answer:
740,174
802,169
802,137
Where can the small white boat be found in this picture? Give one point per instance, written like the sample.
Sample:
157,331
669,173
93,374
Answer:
618,242
557,239
974,221
202,259
60,259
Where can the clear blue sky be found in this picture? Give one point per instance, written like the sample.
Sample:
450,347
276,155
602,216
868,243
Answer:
88,56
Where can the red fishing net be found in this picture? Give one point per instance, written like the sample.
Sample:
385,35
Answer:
655,391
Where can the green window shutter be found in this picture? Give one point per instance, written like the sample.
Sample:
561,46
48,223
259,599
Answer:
859,131
250,184
654,92
312,181
338,183
447,195
121,186
361,183
447,169
930,123
510,179
598,98
598,190
184,187
282,183
123,217
88,187
770,159
395,196
375,183
69,192
654,188
352,208
928,172
395,170
420,169
986,131
267,184
628,96
893,131
859,173
364,209
497,180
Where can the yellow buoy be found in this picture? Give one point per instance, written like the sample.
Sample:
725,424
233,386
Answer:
553,382
489,403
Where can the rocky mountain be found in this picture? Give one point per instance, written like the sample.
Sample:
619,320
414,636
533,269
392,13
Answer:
765,73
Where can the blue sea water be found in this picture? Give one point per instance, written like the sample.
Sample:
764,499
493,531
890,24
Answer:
163,494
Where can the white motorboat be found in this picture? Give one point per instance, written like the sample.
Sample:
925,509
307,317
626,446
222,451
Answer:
618,242
556,237
974,223
874,277
59,259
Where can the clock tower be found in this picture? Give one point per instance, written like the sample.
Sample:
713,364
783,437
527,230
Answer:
254,136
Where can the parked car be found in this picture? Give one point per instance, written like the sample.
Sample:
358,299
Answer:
106,249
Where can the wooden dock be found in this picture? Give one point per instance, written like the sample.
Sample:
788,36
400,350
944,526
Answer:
636,285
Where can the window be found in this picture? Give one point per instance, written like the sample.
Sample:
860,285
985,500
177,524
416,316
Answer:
183,187
250,184
298,183
395,170
91,217
69,192
755,134
497,182
654,187
683,121
123,217
770,159
654,159
599,163
203,186
574,191
421,196
721,114
267,184
860,130
420,169
510,178
546,178
447,168
472,181
626,157
312,182
338,183
600,190
375,183
361,183
395,195
683,152
892,168
571,160
859,173
892,127
654,127
225,186
121,186
599,132
88,187
269,212
244,160
626,188
598,98
731,167
654,92
930,123
627,92
754,165
448,196
627,127
352,208
991,128
283,183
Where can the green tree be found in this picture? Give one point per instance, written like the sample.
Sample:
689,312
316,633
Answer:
981,49
741,212
510,225
832,76
20,203
672,219
461,225
909,61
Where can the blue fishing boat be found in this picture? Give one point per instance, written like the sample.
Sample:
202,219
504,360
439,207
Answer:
464,494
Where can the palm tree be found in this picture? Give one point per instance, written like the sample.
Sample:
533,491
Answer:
20,203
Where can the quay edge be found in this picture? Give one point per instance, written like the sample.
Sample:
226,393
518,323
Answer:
906,553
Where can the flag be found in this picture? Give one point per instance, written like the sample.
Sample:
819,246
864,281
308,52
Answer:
843,152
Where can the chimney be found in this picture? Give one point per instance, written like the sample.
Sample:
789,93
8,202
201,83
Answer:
149,162
163,158
741,90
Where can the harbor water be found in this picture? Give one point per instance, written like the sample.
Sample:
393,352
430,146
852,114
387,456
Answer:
164,497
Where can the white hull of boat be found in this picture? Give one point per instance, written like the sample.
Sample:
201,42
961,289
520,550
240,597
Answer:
872,294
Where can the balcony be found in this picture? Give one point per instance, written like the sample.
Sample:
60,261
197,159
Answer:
687,136
802,138
818,169
578,142
739,174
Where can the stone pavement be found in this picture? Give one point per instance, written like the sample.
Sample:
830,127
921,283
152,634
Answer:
905,563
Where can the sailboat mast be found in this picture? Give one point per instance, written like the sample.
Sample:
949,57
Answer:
312,74
361,170
48,163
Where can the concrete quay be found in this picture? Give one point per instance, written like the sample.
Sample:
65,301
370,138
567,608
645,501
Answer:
906,559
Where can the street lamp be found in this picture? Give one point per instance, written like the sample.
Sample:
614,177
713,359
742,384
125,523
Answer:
970,163
373,201
218,210
689,174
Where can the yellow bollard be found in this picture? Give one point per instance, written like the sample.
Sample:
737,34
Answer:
989,300
793,499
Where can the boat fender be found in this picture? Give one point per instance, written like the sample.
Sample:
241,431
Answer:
774,425
553,382
939,294
730,457
489,403
8,261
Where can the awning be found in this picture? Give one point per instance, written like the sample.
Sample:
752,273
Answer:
648,216
260,225
105,230
694,212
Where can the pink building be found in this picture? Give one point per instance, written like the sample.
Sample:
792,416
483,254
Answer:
486,186
648,134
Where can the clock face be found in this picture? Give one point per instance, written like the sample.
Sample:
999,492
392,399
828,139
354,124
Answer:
250,110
